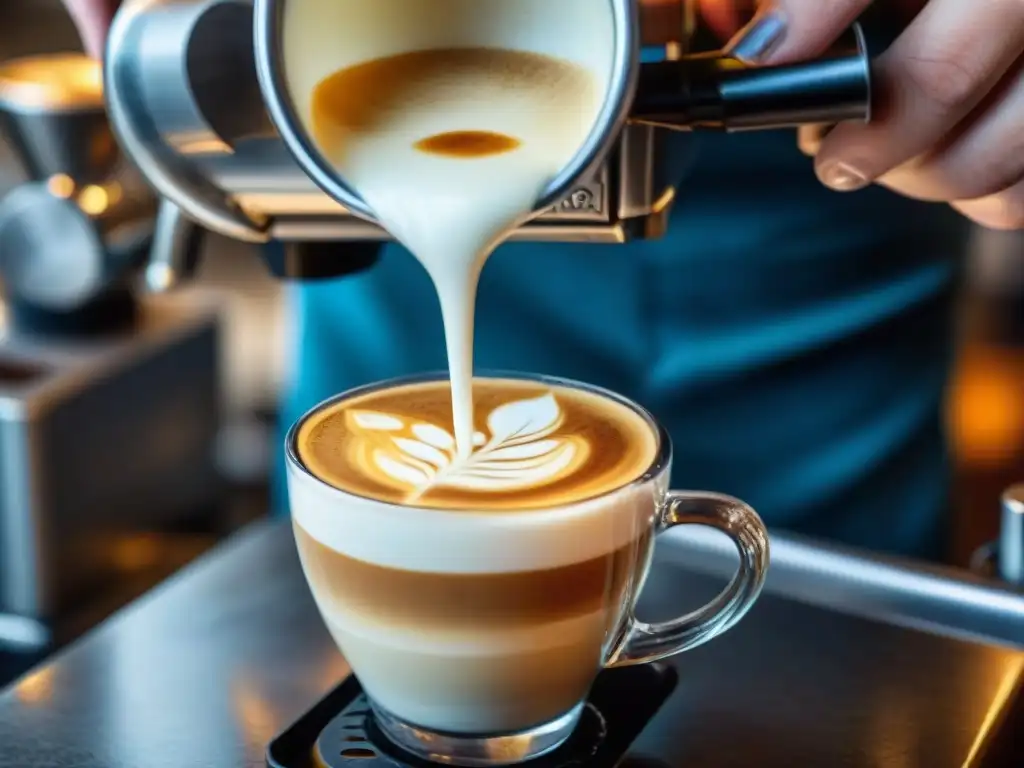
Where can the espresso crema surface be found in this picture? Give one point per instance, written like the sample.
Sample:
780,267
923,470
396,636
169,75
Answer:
534,446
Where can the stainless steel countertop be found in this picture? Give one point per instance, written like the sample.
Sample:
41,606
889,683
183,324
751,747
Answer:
206,669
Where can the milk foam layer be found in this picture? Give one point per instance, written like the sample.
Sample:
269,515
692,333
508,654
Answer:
532,70
533,446
498,689
437,541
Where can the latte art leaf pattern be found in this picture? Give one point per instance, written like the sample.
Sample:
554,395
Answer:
372,420
521,450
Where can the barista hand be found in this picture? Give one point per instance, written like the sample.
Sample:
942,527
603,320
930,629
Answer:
951,124
662,20
92,17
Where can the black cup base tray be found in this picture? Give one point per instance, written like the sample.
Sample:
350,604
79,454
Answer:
338,732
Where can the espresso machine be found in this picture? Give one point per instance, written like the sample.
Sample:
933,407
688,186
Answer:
108,398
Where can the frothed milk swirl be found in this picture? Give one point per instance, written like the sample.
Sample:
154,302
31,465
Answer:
449,118
536,446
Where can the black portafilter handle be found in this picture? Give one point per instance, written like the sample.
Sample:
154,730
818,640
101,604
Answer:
314,260
717,92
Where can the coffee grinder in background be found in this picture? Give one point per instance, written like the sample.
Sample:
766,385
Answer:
108,400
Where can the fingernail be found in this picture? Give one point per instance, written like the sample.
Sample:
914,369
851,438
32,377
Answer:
760,37
842,177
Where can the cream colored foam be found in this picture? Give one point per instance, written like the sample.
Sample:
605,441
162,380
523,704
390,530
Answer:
537,446
437,541
322,36
483,693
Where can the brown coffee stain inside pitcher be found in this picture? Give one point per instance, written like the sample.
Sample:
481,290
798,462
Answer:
468,144
375,96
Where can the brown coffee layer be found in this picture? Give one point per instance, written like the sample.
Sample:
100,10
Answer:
608,445
482,601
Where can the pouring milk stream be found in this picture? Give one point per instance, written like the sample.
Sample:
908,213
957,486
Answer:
449,118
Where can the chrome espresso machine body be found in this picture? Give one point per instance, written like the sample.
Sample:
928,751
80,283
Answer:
196,98
108,398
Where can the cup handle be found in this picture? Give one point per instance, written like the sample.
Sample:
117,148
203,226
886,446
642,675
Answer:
644,642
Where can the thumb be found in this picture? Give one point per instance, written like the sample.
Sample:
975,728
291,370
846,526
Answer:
785,31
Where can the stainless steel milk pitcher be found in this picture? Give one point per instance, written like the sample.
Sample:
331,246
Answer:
196,96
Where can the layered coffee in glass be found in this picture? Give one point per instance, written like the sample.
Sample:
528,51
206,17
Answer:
477,595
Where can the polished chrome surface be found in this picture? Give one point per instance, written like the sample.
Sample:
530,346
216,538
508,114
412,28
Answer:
22,634
83,219
101,440
147,78
50,252
934,599
1011,537
24,586
175,250
207,669
51,112
269,18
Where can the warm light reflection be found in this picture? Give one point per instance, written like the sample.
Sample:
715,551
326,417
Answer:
94,200
664,202
1011,682
255,715
36,687
136,553
336,668
987,409
61,185
115,192
159,277
894,731
52,81
205,145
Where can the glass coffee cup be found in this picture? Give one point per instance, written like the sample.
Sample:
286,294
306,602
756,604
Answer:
477,632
